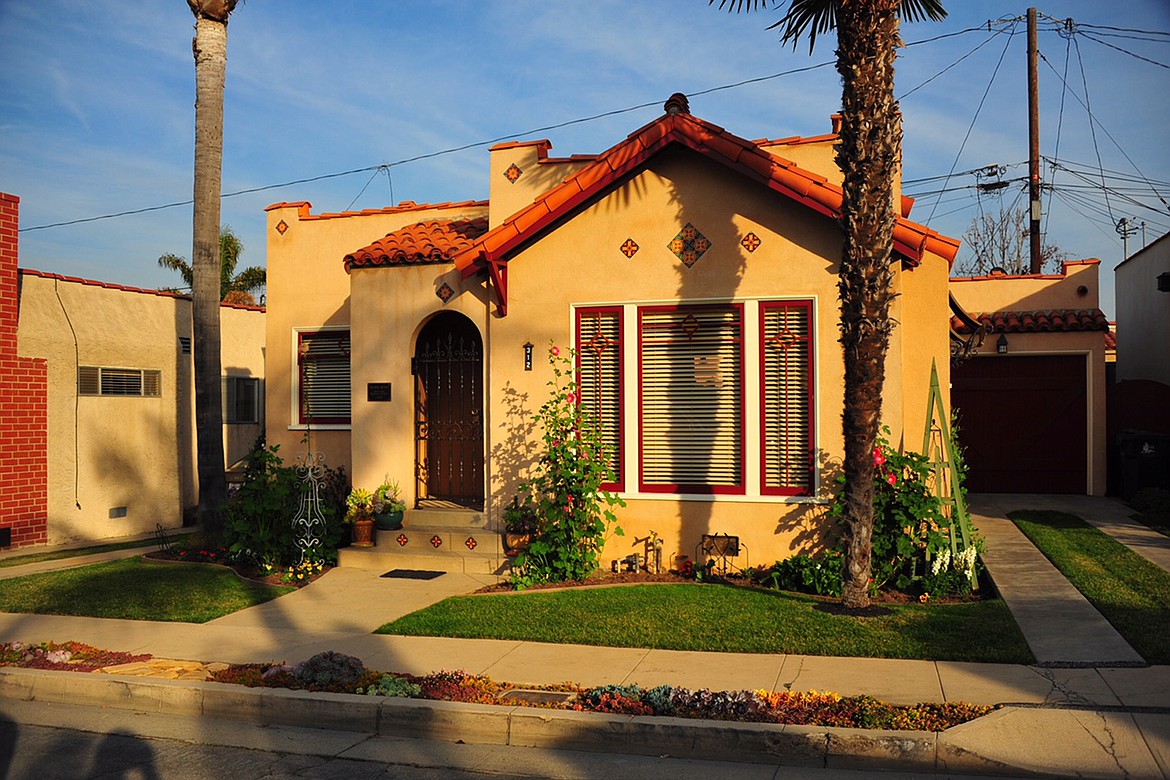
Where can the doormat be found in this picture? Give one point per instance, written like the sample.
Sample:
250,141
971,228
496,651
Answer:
412,574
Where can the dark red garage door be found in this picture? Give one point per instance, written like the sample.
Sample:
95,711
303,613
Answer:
1023,422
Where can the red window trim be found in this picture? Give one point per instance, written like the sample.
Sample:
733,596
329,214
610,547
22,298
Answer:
765,489
619,484
684,489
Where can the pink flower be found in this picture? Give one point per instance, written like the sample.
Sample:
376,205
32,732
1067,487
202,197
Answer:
879,457
892,478
572,398
556,351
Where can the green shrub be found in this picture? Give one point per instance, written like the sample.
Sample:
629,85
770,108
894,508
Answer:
820,574
573,513
913,537
394,687
259,514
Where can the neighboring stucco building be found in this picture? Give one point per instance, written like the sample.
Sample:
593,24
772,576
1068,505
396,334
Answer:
1031,403
695,274
115,410
1142,283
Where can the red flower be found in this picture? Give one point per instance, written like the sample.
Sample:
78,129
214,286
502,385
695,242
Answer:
556,351
879,457
892,478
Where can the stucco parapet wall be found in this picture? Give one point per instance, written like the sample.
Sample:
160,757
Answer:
126,288
303,209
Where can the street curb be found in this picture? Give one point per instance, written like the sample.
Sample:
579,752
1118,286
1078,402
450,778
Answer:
506,725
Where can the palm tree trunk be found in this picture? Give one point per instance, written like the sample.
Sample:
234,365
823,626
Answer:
868,154
210,48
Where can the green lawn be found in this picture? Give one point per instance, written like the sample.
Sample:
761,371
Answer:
136,589
725,619
1132,593
74,552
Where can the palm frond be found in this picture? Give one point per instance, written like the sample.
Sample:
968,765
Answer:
250,279
173,262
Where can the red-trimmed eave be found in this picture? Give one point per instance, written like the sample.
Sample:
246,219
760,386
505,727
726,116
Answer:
125,288
911,240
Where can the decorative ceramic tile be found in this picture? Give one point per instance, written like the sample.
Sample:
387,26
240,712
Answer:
402,540
630,248
471,544
445,292
751,242
513,172
436,541
281,227
689,245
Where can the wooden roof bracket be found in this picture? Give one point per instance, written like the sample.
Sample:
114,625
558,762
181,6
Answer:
498,276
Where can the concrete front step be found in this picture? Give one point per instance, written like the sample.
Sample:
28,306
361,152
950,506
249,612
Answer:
434,548
458,519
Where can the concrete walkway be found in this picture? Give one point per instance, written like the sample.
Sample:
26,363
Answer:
1059,624
1089,708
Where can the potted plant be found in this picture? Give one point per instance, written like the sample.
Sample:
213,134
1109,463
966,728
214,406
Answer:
360,513
388,506
519,525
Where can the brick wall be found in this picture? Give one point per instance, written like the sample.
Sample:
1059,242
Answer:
24,446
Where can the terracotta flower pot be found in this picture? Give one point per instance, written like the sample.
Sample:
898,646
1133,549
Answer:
363,532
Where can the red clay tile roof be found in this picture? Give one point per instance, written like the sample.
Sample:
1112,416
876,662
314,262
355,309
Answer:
125,288
683,129
1056,320
433,241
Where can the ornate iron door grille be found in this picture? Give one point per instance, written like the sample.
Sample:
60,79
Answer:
448,369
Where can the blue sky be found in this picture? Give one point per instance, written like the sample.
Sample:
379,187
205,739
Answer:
96,108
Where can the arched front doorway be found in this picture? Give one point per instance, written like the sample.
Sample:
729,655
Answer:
448,412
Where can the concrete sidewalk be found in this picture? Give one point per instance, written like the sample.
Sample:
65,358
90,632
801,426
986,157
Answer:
1090,708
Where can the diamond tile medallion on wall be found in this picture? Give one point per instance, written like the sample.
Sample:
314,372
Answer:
445,292
751,242
513,172
402,540
436,541
689,245
281,227
471,543
630,248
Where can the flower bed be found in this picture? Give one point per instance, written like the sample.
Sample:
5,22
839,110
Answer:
339,673
66,656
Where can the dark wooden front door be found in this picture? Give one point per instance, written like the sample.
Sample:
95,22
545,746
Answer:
1023,422
448,370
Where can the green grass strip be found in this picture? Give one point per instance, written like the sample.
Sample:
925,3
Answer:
725,619
1129,591
136,589
74,552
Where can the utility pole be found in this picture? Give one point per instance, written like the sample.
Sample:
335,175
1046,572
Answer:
1034,144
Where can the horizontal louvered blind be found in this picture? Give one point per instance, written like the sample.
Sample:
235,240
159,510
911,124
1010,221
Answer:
599,380
324,377
786,373
241,399
95,380
691,364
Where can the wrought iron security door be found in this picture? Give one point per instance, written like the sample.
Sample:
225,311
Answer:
448,370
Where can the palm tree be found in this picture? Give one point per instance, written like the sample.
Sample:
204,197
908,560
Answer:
233,287
210,50
868,155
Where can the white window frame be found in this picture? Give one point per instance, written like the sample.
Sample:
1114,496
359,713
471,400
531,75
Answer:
92,381
754,490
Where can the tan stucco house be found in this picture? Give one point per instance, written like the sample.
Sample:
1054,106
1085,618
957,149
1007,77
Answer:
97,416
694,273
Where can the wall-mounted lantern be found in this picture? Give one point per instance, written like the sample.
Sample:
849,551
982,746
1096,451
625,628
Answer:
1001,345
528,356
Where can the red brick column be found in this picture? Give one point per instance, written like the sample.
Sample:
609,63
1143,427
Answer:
24,394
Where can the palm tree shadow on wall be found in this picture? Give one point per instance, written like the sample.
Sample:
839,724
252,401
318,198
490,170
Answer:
517,450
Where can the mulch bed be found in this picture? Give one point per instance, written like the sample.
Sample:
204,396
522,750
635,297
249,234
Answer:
245,571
